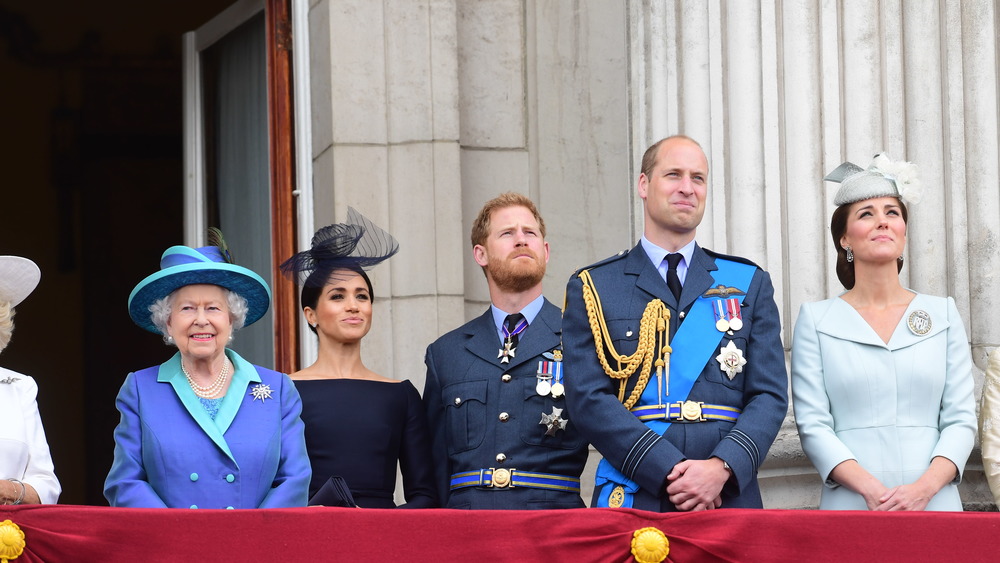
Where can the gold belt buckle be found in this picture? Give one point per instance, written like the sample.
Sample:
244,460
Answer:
690,411
501,478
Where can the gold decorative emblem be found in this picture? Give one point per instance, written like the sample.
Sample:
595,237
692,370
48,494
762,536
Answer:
919,322
731,359
691,411
11,541
722,291
617,497
557,355
501,478
650,545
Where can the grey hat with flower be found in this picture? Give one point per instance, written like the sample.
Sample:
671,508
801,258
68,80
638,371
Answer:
884,177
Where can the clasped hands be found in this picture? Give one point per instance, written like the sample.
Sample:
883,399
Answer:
696,484
902,497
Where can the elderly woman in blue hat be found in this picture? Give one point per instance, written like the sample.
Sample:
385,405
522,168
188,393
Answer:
206,429
26,473
882,375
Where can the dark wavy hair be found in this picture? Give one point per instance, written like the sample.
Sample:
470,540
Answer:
838,228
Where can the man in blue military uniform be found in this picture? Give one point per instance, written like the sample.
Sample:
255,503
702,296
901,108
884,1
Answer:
673,356
502,435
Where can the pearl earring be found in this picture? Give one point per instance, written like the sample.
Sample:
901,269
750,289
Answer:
170,339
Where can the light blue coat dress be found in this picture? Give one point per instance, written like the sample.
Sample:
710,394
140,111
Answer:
170,452
891,407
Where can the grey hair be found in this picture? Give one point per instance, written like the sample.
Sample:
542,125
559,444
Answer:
159,312
6,323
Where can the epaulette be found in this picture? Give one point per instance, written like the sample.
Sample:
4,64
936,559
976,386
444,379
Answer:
607,260
731,258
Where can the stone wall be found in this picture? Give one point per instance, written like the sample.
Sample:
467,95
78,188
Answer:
424,109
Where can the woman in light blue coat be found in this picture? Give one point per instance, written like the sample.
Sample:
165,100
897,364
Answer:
882,376
206,429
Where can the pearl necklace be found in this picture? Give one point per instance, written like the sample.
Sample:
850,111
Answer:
213,389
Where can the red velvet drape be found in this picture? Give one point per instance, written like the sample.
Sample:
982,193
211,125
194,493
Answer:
79,533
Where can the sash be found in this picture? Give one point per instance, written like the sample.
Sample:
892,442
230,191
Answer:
694,343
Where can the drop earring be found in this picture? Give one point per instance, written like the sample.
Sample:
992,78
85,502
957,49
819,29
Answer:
850,254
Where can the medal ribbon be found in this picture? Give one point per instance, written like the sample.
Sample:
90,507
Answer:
719,307
733,305
508,334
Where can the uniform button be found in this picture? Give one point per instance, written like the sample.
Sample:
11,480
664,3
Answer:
229,508
194,476
501,457
194,506
505,378
682,314
458,401
504,417
230,478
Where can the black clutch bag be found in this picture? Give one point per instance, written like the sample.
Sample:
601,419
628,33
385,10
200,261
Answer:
334,492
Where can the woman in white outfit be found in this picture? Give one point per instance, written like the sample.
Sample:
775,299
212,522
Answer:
26,473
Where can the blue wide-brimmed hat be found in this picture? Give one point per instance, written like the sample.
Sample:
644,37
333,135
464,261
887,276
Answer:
183,265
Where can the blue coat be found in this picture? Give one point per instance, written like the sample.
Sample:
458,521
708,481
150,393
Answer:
170,453
626,284
466,393
892,407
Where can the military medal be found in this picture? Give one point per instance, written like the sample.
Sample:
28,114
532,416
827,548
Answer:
919,322
721,322
731,359
735,313
544,385
507,352
554,422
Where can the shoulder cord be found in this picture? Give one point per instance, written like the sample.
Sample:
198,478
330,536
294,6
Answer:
652,343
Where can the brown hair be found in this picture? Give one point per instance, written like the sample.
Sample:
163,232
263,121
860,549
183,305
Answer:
838,227
481,226
649,157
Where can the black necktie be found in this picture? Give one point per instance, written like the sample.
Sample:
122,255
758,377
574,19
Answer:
673,282
511,325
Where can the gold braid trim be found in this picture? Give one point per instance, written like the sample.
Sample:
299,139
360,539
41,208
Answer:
652,343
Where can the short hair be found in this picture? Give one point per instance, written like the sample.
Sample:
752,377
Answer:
838,227
481,226
649,157
6,323
312,288
159,312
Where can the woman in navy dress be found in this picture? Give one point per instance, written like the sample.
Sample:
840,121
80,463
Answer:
359,424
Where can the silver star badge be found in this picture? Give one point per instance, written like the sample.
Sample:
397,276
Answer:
731,360
553,422
261,391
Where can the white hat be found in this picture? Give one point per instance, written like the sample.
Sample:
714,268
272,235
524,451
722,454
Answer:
883,178
18,278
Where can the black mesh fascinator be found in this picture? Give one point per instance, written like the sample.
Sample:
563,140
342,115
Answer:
355,245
